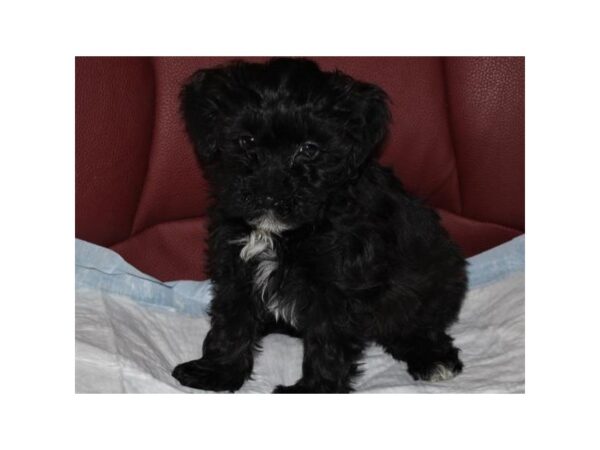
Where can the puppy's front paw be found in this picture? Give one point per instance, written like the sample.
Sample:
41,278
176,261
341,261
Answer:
293,389
202,374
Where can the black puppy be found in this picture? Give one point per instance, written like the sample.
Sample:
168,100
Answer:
309,234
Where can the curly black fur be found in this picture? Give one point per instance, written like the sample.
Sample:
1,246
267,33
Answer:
309,234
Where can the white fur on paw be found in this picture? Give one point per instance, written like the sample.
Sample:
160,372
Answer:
441,373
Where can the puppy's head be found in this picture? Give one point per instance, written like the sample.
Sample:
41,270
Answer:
277,139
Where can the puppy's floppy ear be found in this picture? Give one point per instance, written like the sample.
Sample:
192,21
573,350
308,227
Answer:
201,101
364,110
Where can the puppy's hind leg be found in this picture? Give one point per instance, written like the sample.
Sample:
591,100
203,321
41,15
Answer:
430,355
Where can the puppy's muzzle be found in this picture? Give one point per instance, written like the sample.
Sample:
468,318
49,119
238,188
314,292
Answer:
270,202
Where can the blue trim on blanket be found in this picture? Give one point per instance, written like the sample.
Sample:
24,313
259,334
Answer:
497,263
103,269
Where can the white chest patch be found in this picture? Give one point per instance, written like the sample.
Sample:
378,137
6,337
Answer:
259,245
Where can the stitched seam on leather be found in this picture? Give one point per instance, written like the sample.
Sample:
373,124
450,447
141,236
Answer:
480,222
137,233
134,223
449,122
442,183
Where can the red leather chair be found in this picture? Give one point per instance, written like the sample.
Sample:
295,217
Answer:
457,140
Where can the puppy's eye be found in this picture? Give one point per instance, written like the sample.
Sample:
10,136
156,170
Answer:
309,150
246,141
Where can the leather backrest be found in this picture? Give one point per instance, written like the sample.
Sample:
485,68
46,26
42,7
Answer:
457,140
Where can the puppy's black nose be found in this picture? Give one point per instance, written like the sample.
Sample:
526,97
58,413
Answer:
268,201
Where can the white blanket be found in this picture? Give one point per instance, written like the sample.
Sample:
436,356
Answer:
131,330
